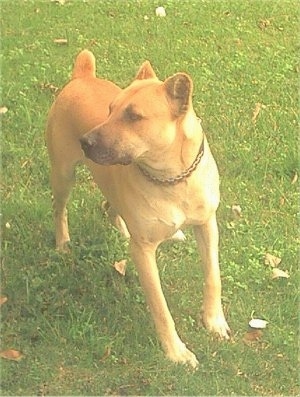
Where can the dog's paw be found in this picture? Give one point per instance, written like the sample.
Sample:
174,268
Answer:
64,247
217,325
178,236
121,226
190,359
183,356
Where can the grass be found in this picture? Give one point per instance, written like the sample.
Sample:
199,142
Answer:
82,328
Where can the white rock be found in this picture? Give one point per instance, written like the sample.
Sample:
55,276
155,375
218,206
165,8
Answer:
258,323
160,12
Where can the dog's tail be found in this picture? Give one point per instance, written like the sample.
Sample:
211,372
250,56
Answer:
85,65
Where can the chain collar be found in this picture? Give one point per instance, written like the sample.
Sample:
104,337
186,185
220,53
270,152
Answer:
178,178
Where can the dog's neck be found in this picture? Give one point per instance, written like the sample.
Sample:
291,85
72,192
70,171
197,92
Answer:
190,152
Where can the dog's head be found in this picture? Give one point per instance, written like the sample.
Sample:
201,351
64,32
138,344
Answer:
145,120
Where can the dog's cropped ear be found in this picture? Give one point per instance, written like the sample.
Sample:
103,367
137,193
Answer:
179,89
145,72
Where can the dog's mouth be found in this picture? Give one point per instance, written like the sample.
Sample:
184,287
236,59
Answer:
103,155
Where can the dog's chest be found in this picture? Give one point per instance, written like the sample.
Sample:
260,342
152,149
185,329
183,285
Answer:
196,205
173,211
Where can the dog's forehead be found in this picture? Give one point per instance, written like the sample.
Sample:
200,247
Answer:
141,93
142,87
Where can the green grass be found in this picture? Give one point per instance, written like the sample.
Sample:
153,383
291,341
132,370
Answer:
85,330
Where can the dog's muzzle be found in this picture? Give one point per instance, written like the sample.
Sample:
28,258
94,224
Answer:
96,151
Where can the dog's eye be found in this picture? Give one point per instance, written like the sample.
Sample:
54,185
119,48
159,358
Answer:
132,115
135,116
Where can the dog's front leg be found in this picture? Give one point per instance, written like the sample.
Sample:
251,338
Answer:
143,256
207,237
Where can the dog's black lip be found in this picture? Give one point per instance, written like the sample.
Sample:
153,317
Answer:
104,158
102,155
85,146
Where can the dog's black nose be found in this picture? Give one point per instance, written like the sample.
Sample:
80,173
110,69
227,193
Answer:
87,142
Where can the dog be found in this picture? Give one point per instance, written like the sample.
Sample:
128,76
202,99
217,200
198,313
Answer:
147,152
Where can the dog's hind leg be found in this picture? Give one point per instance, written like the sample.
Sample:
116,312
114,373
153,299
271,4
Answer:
64,153
62,181
115,219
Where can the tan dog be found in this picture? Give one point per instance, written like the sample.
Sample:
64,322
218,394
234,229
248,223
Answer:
146,150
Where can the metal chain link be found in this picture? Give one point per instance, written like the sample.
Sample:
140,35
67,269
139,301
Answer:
178,178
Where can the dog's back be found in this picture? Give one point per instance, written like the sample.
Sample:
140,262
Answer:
75,105
81,105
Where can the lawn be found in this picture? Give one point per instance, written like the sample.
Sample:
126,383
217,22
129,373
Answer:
80,327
